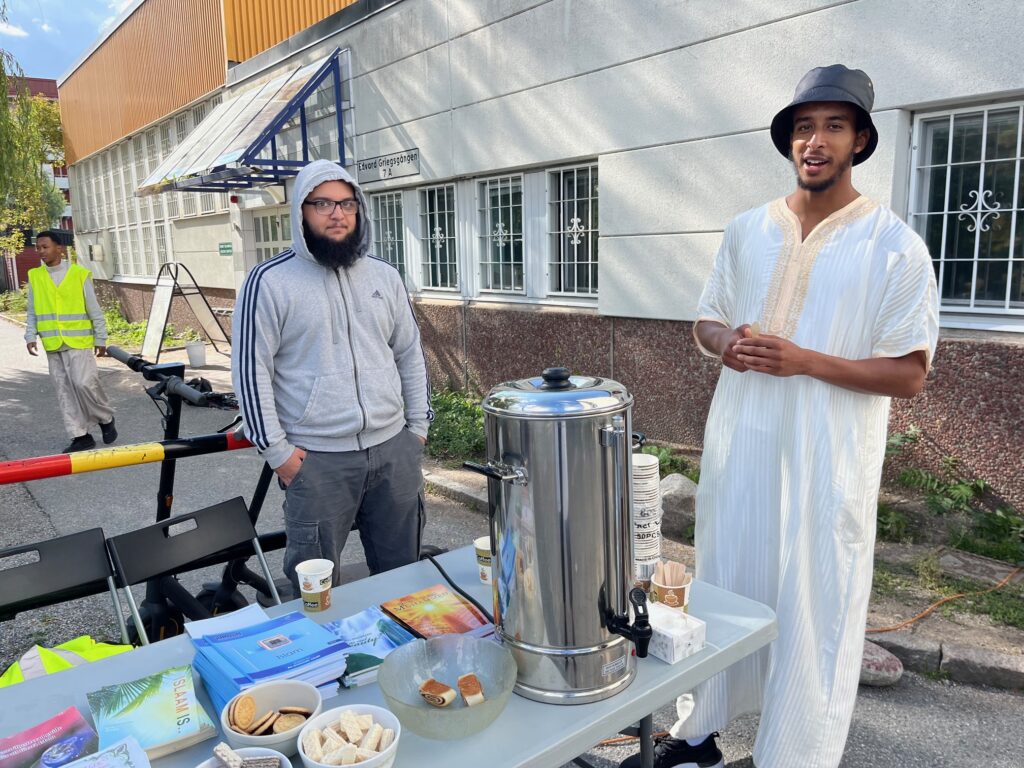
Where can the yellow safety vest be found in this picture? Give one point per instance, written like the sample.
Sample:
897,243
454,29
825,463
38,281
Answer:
60,309
39,661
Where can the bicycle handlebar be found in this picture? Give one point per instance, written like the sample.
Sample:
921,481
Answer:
173,385
132,361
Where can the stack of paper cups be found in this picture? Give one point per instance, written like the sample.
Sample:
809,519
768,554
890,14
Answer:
646,516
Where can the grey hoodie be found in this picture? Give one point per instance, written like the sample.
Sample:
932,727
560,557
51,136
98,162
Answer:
328,360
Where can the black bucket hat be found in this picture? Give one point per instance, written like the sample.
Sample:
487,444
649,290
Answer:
832,83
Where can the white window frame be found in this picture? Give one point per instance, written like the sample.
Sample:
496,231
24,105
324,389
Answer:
971,315
389,231
556,235
429,229
494,232
264,245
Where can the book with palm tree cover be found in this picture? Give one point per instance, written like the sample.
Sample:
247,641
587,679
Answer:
161,711
438,610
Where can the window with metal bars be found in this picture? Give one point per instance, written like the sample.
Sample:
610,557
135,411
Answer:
572,216
389,228
440,266
501,234
967,202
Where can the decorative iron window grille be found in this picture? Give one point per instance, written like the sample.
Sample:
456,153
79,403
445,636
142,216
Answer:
573,231
389,229
501,234
438,237
967,202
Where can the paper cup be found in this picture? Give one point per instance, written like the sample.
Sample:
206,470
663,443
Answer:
315,584
673,597
483,558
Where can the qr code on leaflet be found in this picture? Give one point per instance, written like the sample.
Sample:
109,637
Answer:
274,642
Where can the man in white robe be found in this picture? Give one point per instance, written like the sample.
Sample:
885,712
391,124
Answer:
822,306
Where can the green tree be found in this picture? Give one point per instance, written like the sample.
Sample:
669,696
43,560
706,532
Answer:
30,140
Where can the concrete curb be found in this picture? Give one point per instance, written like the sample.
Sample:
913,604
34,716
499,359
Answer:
928,656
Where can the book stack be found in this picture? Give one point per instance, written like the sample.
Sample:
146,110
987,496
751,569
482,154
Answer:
438,610
160,711
288,647
370,636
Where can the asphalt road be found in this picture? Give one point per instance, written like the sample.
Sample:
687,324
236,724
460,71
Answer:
919,723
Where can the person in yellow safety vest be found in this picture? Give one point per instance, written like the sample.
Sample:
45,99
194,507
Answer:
63,311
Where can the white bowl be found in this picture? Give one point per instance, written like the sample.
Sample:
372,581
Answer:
380,715
214,762
271,696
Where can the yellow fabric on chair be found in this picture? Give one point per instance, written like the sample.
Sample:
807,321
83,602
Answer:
39,661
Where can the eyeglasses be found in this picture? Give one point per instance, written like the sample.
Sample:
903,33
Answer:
326,207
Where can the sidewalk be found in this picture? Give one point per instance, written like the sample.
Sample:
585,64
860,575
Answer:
964,648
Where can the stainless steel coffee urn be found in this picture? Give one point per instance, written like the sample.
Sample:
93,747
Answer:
558,460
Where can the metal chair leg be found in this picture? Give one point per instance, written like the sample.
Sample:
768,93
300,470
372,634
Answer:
266,570
117,610
135,615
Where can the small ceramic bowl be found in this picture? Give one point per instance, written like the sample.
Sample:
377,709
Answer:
214,762
270,697
380,715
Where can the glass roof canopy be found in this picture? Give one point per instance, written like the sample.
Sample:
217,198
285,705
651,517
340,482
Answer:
260,136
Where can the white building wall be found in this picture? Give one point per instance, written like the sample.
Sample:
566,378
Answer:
673,99
196,245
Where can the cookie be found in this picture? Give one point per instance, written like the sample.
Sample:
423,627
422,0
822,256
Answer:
264,724
243,711
286,721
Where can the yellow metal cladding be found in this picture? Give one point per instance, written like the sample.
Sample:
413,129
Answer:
164,56
252,26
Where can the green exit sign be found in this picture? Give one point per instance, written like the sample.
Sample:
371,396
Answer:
225,249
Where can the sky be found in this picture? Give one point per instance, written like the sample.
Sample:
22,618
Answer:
48,36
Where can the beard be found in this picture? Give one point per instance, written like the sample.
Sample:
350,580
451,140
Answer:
820,185
333,253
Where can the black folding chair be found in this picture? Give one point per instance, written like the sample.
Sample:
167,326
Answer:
67,568
157,553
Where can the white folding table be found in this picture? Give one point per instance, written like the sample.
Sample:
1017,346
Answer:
527,733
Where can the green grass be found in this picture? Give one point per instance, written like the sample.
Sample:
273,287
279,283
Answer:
924,584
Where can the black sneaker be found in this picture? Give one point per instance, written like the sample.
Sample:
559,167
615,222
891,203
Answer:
81,443
676,753
109,432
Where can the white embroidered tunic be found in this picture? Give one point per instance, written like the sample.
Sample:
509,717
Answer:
789,480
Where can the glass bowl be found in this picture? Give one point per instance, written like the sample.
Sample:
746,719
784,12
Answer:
445,658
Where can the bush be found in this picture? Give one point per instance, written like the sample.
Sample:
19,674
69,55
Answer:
672,463
14,301
457,432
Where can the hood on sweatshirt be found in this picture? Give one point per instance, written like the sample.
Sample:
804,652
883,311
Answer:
309,178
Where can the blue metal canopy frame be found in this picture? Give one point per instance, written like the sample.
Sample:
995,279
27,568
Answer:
250,169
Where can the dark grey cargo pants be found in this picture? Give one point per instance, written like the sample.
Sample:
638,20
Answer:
379,489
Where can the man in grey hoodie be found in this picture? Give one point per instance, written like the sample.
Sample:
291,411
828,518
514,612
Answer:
332,383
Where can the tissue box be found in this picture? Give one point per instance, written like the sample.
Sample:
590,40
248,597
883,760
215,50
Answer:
676,634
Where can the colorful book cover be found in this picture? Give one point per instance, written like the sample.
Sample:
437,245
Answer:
370,636
272,648
55,742
437,610
161,711
124,754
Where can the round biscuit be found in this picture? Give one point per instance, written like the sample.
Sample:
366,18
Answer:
264,728
287,721
243,711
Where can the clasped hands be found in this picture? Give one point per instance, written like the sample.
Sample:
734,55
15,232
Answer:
747,350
